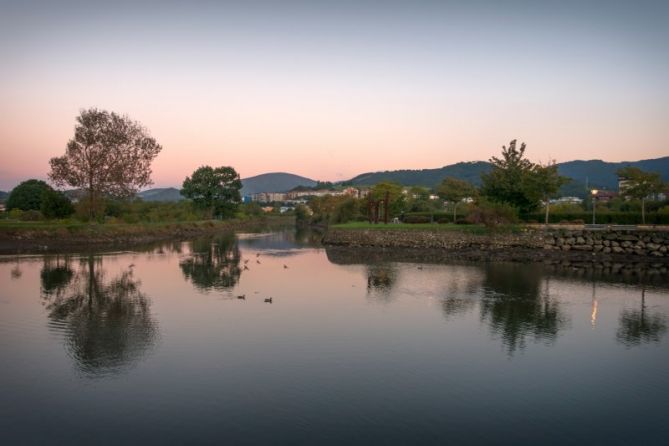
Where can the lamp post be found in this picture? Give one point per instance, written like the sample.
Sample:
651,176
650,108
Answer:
594,204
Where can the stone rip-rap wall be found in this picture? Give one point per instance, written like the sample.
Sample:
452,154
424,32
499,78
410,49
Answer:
644,243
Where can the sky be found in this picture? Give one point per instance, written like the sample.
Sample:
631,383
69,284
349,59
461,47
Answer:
329,90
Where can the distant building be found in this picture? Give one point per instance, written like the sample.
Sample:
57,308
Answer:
300,196
268,197
567,200
624,183
604,196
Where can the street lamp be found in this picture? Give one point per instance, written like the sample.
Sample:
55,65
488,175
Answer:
594,204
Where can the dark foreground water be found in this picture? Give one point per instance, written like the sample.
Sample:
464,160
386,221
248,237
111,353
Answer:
154,347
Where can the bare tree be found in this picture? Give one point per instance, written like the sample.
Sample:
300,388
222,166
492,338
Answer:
110,155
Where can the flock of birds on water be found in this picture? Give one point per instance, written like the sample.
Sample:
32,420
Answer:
268,300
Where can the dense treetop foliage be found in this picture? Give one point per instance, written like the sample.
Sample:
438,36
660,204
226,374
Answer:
27,195
215,189
110,155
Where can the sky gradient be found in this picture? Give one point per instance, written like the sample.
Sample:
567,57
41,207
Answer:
329,90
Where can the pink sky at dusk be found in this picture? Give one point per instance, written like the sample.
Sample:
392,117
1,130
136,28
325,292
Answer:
332,95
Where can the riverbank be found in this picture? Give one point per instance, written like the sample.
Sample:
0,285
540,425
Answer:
49,236
527,243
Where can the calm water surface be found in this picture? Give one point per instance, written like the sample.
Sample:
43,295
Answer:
154,346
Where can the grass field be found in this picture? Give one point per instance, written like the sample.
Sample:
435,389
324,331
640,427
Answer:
68,228
471,229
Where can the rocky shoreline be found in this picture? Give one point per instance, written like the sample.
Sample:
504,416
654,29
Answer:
529,244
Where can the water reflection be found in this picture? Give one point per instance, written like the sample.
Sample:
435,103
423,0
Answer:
509,296
107,324
515,307
639,326
214,262
380,281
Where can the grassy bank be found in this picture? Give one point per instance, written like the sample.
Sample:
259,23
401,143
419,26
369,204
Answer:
54,234
426,227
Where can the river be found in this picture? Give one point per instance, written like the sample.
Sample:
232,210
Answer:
273,339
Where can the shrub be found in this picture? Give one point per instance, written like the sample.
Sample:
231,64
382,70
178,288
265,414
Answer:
493,214
55,204
27,195
413,219
15,214
31,215
345,211
604,217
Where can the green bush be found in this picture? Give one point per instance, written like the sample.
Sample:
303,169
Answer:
492,214
15,214
31,215
436,217
27,195
619,218
55,204
413,219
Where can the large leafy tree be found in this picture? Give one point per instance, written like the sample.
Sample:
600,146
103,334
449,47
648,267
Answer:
510,180
214,189
640,185
110,155
27,195
396,198
546,180
455,190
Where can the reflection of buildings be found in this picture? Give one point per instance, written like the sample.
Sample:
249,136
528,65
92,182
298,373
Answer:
106,323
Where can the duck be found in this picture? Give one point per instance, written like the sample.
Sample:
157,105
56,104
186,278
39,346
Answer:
285,266
268,300
241,297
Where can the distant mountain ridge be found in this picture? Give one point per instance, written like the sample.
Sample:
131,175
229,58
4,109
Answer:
3,195
596,173
161,194
469,171
274,182
267,182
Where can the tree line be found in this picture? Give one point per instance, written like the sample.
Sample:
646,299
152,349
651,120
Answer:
514,188
109,158
108,161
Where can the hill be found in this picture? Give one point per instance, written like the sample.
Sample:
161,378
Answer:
274,182
3,195
469,171
161,194
596,173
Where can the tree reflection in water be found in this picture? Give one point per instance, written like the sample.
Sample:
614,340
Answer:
107,323
380,281
213,263
462,292
640,326
515,307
